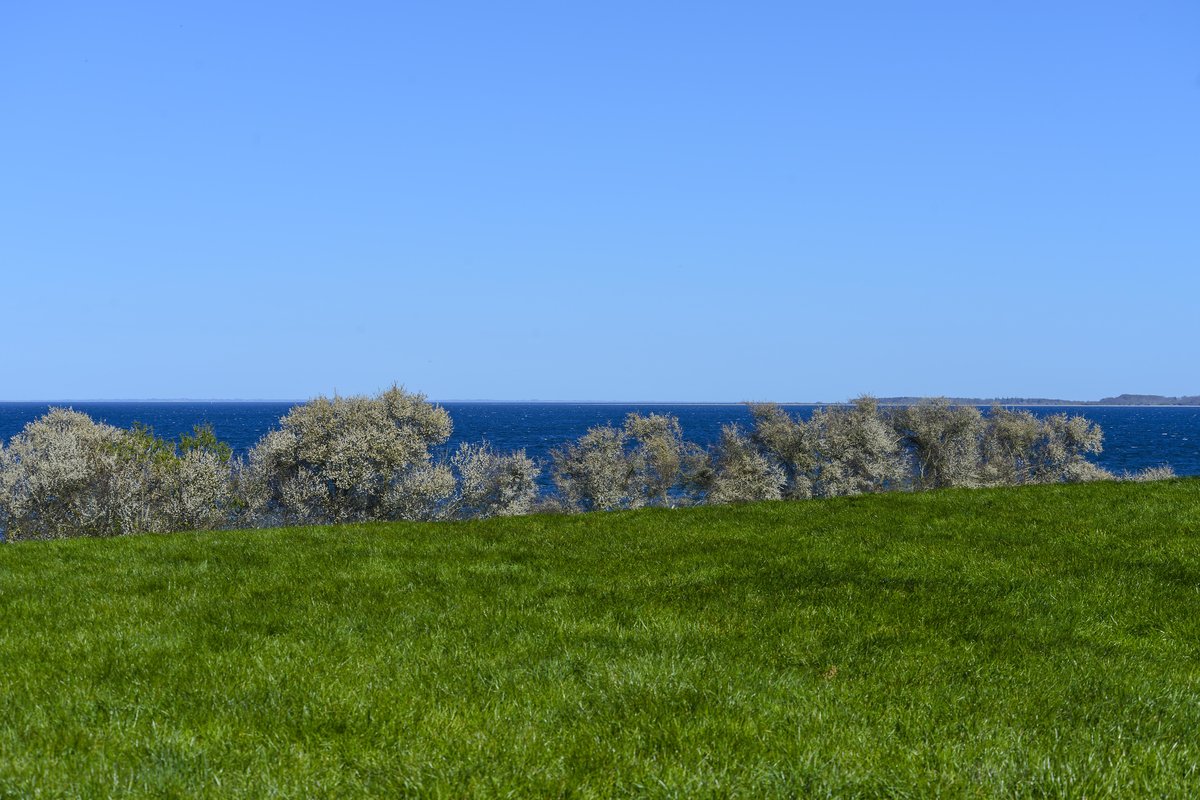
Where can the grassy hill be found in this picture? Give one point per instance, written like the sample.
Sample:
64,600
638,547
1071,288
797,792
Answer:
1041,641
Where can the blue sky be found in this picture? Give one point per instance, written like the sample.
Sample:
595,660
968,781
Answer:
607,201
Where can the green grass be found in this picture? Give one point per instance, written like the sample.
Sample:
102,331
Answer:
1040,642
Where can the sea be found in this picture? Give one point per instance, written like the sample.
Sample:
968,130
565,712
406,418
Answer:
1135,437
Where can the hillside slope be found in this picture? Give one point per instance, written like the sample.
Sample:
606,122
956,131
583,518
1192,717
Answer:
1040,641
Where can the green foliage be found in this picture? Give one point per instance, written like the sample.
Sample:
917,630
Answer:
1032,642
204,440
139,446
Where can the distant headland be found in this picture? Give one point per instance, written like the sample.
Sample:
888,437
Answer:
1119,400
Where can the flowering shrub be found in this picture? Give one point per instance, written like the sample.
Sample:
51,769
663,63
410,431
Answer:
67,475
347,459
350,458
929,445
1163,472
738,472
594,473
662,462
788,443
492,484
644,462
839,450
945,442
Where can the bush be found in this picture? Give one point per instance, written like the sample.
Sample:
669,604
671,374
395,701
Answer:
1160,473
198,485
662,462
945,442
1009,448
55,477
1017,447
645,462
790,444
1061,454
351,458
740,473
493,485
857,450
593,473
68,475
371,458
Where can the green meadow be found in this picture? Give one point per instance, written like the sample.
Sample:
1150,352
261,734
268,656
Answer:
1028,642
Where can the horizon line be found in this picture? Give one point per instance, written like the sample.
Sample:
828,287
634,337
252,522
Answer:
1037,400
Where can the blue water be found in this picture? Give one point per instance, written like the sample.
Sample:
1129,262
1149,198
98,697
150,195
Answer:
1134,437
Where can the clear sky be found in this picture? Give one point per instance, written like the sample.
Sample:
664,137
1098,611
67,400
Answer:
599,201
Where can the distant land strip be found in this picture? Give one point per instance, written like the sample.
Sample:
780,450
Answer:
1119,400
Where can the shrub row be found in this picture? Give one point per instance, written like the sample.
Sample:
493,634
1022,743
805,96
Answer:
372,458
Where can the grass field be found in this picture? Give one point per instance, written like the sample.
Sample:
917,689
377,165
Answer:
1042,642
